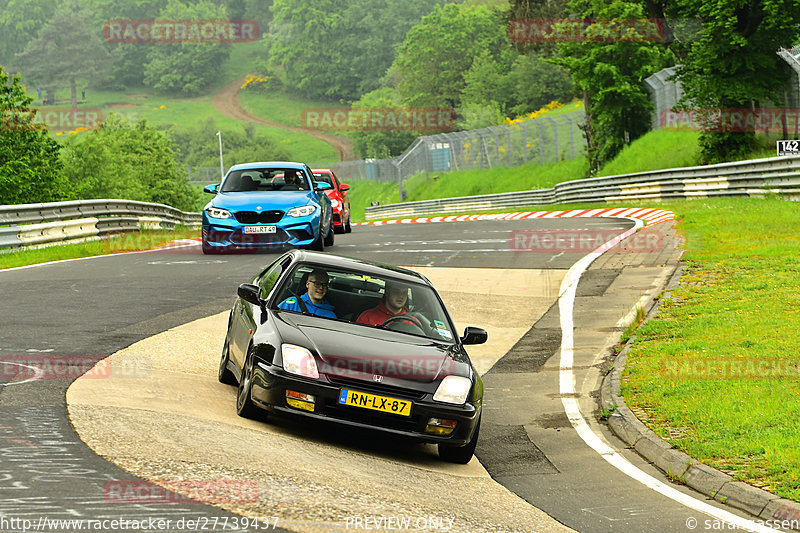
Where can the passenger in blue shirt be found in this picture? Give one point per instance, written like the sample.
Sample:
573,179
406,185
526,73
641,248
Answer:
314,298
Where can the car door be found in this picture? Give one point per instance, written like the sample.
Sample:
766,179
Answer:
246,316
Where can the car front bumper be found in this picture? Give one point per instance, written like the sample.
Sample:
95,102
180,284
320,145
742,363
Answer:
270,383
229,233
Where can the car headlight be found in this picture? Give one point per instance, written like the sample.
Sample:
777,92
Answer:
298,360
453,389
216,212
302,211
334,203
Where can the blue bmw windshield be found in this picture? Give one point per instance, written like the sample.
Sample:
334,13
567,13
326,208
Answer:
265,179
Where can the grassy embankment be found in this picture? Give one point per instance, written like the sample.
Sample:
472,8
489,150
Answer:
717,372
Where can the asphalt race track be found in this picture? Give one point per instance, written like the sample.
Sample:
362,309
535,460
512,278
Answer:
86,310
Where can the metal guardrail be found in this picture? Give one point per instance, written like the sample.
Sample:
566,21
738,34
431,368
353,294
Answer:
55,222
759,177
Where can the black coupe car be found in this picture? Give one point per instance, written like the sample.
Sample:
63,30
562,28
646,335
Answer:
355,342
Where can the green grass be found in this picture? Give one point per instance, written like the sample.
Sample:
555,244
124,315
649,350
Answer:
280,107
738,305
138,240
656,150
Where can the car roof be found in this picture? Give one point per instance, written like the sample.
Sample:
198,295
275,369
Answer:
322,170
362,265
269,164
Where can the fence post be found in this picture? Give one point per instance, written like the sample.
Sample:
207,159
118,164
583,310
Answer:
510,161
555,137
525,142
541,147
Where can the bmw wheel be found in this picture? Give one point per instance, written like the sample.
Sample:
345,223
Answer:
330,236
318,244
347,228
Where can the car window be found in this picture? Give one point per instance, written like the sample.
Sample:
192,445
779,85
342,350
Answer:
271,276
326,178
361,298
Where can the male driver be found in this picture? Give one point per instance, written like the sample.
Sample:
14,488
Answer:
313,301
291,181
395,296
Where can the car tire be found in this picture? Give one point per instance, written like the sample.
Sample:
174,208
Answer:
460,454
318,245
347,228
329,238
244,404
224,375
339,229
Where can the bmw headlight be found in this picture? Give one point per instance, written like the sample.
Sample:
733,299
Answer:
453,389
302,211
298,360
216,212
334,203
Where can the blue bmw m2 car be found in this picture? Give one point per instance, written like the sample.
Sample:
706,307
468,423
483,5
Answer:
268,204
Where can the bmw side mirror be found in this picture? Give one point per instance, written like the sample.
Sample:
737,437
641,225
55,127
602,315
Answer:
474,335
321,185
249,293
344,187
211,189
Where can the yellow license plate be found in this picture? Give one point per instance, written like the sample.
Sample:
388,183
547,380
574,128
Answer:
383,404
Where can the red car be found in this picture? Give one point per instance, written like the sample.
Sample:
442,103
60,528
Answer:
338,196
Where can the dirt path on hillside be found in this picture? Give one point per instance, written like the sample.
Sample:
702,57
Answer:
226,101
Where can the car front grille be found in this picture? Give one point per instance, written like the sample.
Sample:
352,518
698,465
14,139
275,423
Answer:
378,388
255,217
245,239
362,416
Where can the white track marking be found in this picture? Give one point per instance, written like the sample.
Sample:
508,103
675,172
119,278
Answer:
197,243
39,373
566,301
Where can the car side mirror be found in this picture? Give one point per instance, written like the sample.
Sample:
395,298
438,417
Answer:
211,189
249,293
321,185
344,187
474,335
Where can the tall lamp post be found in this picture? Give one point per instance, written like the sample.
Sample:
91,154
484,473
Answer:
221,166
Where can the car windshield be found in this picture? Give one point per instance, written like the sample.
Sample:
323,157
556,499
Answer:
265,179
366,299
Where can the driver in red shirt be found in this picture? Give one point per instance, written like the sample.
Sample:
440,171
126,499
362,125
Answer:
394,300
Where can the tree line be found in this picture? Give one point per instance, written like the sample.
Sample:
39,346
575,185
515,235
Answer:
462,56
